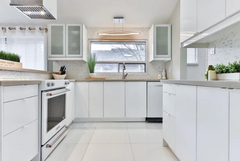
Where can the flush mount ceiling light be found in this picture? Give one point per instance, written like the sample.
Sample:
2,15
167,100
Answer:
119,20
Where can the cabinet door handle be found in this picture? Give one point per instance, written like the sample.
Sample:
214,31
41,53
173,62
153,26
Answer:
158,85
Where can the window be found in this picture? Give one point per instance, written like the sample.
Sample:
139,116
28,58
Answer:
192,56
111,55
29,45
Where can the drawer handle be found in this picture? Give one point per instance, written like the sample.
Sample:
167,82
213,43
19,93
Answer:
51,145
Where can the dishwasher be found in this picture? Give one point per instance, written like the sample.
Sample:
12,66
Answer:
154,102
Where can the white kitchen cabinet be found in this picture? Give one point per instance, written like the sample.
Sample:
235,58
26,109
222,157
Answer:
188,19
22,144
136,99
212,124
169,130
160,42
234,125
186,122
96,104
70,106
114,102
209,13
232,6
155,100
67,42
82,100
18,113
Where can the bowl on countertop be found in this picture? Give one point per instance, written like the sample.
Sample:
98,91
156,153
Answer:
59,77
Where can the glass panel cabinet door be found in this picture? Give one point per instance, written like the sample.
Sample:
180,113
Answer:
57,40
74,40
162,41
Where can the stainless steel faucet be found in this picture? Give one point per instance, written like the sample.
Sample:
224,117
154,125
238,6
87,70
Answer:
124,75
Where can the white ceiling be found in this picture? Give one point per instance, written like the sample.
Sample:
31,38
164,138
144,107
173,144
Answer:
98,13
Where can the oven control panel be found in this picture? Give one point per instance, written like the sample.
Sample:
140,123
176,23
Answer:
53,84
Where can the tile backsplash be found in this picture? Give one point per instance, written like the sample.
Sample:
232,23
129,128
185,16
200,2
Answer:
227,48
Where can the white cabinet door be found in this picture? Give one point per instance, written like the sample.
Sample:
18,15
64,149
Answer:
188,19
82,100
169,130
234,125
155,100
186,122
22,144
114,102
160,42
232,6
96,99
74,40
56,40
70,106
212,124
136,99
210,12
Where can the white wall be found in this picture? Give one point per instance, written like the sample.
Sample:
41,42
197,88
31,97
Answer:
173,66
197,72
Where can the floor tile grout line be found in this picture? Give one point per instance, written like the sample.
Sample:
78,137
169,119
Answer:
130,143
89,142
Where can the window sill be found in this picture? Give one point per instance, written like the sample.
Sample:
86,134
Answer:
192,64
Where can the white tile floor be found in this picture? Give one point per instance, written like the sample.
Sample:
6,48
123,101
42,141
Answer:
113,142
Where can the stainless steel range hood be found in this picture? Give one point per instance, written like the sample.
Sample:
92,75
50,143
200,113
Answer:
37,9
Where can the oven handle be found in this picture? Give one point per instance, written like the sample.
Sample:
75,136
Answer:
53,94
52,144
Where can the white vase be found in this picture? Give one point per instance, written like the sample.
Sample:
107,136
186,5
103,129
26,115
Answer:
92,75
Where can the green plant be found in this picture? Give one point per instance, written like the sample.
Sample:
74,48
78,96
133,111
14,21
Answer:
92,62
230,68
210,67
9,56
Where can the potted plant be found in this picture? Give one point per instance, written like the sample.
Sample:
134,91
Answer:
228,72
91,64
10,60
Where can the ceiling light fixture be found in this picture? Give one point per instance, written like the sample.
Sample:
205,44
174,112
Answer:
118,33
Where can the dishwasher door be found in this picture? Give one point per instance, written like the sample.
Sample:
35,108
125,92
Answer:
155,100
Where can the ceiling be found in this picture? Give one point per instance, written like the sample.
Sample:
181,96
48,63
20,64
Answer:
98,13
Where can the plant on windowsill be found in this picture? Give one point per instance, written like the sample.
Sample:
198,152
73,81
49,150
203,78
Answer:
10,60
228,72
91,64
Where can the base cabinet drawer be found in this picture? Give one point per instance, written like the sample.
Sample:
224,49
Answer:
169,103
11,93
19,113
21,145
169,88
169,130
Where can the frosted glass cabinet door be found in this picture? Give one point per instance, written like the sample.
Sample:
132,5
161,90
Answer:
74,40
56,44
162,41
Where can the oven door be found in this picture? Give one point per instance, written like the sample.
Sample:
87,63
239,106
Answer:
53,113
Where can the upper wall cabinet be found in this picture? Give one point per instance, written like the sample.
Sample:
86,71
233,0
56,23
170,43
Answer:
188,16
232,6
160,42
209,13
67,42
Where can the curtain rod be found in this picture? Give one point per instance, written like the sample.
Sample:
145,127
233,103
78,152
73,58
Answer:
24,28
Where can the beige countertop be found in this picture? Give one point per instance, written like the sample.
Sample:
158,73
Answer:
18,82
118,80
222,84
26,70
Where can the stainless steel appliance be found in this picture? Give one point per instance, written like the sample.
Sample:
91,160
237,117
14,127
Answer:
36,9
53,113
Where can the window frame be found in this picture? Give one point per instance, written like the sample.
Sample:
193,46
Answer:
196,58
121,62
